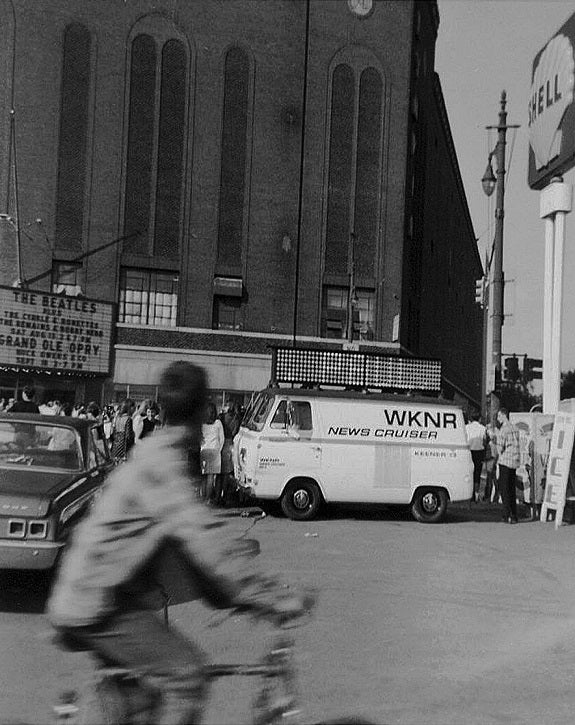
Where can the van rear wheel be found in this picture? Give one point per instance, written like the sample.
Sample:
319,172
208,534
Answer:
301,500
429,505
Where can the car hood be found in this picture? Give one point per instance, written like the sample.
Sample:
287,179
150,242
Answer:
28,492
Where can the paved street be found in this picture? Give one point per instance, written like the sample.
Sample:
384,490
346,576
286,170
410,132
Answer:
470,621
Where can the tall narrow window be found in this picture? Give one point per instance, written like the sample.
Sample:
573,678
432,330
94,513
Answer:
72,143
340,170
140,143
170,150
155,147
233,163
368,165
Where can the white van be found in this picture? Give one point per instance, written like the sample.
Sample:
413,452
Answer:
306,447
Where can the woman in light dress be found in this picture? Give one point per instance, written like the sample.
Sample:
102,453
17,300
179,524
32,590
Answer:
211,453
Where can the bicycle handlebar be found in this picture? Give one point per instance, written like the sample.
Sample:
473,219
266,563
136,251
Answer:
288,610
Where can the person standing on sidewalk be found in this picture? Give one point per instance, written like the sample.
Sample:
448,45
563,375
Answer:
211,453
477,439
508,462
491,488
27,404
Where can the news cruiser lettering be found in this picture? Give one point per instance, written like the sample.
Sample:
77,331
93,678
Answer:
411,424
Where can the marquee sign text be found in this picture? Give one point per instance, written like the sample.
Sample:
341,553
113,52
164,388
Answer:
53,332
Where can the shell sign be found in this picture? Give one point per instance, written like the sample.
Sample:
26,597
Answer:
551,109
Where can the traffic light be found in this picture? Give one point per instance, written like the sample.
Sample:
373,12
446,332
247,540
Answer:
480,291
532,369
512,373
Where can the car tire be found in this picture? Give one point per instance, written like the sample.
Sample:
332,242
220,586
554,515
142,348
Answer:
301,500
429,505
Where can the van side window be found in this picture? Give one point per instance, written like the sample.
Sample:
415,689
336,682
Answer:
301,413
280,416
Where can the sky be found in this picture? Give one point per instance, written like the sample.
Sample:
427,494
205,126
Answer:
484,47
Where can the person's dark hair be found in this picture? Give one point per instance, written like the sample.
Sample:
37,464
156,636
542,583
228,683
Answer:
504,412
29,391
182,393
94,409
211,413
66,409
474,415
126,407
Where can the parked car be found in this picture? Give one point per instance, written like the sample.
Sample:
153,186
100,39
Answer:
51,469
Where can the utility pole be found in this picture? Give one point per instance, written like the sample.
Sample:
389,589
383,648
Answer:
496,278
498,284
351,291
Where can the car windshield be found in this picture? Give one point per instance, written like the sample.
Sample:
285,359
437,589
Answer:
39,445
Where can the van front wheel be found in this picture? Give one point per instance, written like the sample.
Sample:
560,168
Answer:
429,505
301,500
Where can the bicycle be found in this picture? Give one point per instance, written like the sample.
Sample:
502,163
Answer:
276,700
276,666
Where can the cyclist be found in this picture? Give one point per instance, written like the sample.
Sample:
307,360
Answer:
101,600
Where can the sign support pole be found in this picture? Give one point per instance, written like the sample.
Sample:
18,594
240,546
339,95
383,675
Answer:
548,313
555,202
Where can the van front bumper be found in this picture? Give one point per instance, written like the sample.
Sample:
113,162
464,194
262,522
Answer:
29,554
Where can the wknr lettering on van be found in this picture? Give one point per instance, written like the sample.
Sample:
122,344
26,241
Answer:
420,418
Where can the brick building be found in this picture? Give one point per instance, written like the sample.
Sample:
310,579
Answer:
217,170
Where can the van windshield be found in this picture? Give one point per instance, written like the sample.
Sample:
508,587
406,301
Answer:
259,412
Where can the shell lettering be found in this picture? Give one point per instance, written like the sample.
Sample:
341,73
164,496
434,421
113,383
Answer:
551,94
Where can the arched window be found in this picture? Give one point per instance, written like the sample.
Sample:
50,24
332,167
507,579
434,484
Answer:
353,197
72,142
155,147
233,161
353,191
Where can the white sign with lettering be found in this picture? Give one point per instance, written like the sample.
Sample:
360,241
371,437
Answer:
558,466
40,330
551,95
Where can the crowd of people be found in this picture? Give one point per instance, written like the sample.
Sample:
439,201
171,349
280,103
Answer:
497,447
126,424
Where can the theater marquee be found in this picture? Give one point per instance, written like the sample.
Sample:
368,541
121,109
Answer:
51,332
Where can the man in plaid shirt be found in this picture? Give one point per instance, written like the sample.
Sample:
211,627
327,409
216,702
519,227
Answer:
508,462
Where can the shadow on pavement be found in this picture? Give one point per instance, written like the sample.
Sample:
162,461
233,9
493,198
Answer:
485,511
24,591
456,513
